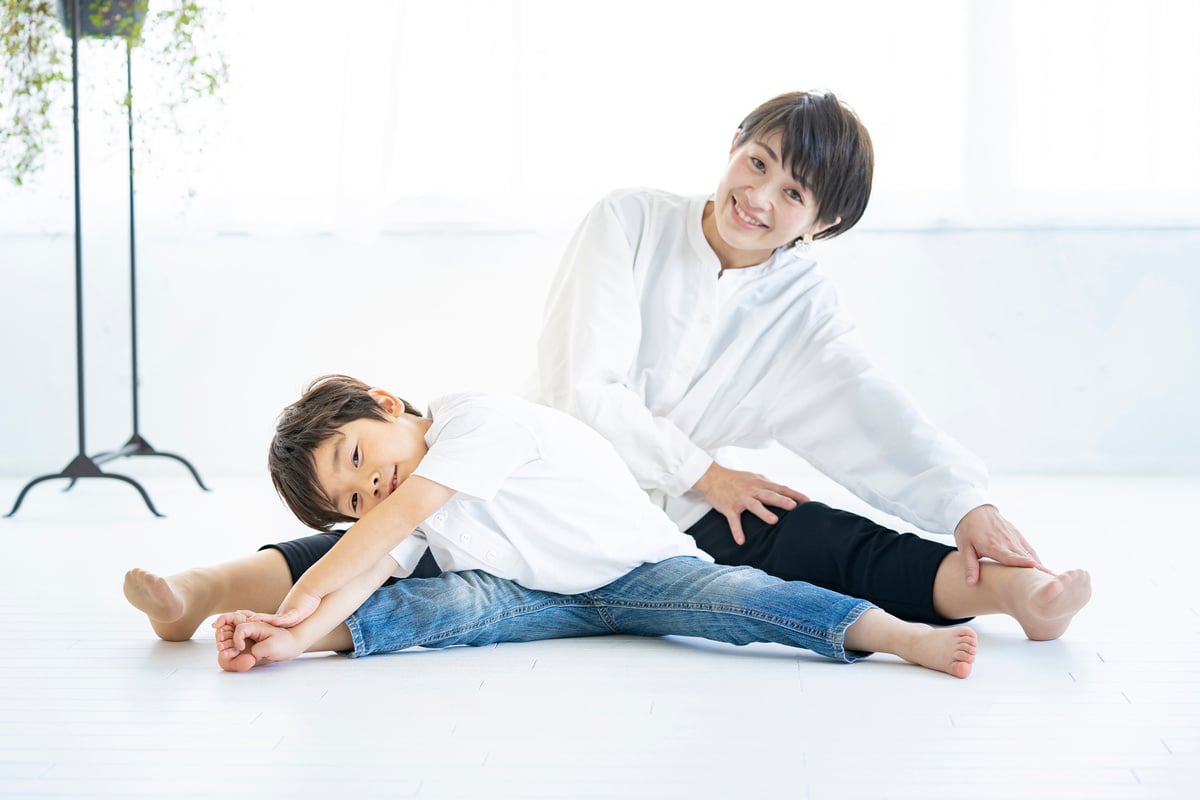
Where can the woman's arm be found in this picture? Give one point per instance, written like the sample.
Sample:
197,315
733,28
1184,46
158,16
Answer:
588,346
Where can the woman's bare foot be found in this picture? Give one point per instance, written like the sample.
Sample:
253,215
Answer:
169,603
1047,610
153,595
177,605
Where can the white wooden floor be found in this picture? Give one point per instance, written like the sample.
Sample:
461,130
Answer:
93,706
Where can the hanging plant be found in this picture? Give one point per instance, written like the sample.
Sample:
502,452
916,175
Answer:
35,68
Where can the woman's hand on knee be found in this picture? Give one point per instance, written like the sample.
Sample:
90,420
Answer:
733,491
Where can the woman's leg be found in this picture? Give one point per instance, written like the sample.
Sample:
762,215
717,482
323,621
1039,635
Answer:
914,578
739,605
177,604
1043,604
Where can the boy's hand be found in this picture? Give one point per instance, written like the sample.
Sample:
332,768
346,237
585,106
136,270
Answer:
243,645
298,606
984,533
732,491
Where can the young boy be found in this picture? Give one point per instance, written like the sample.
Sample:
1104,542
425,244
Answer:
549,534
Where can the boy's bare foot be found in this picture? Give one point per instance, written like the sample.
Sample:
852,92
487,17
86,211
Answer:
229,657
949,650
153,596
1051,604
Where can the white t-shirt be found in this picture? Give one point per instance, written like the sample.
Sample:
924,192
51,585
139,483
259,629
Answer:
542,499
645,344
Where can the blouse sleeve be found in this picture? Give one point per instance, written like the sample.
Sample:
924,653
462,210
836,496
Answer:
589,345
856,425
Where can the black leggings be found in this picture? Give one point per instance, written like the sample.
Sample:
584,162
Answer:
837,550
302,553
813,542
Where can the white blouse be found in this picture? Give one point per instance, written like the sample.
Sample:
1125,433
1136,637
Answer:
644,342
541,499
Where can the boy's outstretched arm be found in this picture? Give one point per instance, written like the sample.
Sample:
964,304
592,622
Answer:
244,642
376,534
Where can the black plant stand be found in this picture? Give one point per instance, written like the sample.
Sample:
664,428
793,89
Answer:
83,466
136,446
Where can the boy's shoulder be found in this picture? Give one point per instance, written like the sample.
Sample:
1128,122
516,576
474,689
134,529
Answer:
495,413
456,405
462,412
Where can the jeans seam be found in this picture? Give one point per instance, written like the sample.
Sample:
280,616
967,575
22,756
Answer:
851,617
355,636
834,636
509,613
605,615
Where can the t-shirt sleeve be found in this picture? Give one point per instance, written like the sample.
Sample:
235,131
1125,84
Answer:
408,553
475,447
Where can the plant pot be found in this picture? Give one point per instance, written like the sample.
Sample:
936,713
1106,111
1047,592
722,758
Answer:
105,18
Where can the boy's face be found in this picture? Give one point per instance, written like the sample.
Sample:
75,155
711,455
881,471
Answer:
364,463
759,206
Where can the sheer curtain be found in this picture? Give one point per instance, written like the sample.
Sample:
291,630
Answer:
383,115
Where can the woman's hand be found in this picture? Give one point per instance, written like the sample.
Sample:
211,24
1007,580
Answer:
732,491
984,533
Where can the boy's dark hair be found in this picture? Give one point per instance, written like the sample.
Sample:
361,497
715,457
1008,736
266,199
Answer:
328,403
826,147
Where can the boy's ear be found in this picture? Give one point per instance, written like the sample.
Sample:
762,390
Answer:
387,401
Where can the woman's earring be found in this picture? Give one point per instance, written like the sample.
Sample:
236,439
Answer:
803,243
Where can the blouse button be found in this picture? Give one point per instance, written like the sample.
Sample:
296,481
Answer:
464,538
440,516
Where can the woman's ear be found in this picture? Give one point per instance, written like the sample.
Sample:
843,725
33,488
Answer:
809,237
387,401
733,145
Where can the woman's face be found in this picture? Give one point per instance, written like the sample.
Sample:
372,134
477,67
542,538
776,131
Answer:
759,206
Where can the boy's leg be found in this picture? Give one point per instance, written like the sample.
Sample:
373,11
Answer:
688,597
909,576
468,608
949,650
739,605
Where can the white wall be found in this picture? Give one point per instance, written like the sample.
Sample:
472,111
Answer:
1070,351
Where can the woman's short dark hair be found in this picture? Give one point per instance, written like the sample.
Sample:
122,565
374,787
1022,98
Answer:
826,147
328,403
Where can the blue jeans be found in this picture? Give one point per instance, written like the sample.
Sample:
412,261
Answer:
681,596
